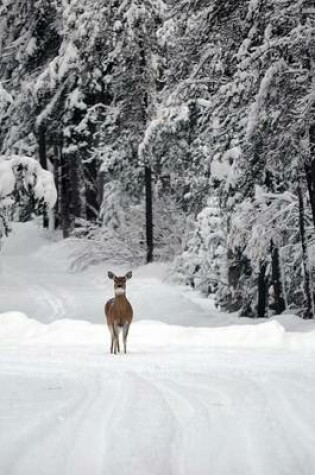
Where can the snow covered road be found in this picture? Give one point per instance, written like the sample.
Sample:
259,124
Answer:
225,411
35,279
198,397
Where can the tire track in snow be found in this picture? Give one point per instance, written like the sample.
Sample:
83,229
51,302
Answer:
216,434
288,411
91,432
194,442
69,440
142,431
25,454
53,306
123,416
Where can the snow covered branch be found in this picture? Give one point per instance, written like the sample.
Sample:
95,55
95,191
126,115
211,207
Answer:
21,175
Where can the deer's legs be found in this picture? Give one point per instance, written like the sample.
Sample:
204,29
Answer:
114,332
125,335
112,338
116,339
117,345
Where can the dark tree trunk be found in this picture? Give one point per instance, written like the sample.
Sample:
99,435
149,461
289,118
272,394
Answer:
91,190
262,292
279,303
234,302
149,213
65,195
309,167
309,311
42,152
76,183
57,177
147,169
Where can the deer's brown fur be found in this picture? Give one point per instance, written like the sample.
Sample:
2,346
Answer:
118,312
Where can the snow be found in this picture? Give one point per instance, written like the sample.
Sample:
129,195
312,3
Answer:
31,46
75,99
253,8
68,60
7,179
17,329
199,392
42,181
258,107
5,97
223,166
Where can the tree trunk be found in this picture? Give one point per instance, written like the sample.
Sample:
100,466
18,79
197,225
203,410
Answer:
309,165
65,195
311,170
91,190
147,169
234,302
279,303
149,213
308,291
57,177
76,182
262,292
42,152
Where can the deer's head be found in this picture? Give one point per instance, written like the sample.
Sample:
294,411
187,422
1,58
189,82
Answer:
119,282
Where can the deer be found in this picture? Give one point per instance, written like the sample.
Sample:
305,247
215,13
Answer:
119,313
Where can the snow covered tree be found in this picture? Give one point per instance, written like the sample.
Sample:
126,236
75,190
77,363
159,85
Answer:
153,114
29,39
202,265
62,100
272,145
19,177
248,127
132,82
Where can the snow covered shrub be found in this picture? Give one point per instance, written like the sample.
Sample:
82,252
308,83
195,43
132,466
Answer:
202,265
119,235
266,229
171,228
23,182
94,243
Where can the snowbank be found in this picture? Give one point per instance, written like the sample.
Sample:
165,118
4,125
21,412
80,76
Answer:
17,329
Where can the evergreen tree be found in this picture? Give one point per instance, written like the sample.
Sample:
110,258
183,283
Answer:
153,115
132,82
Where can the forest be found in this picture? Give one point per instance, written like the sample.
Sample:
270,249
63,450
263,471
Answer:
157,237
177,131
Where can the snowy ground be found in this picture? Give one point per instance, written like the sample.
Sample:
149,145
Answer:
198,393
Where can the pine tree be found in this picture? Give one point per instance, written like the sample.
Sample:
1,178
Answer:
132,82
202,265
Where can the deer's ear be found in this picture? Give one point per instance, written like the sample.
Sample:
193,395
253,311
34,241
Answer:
111,275
128,275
